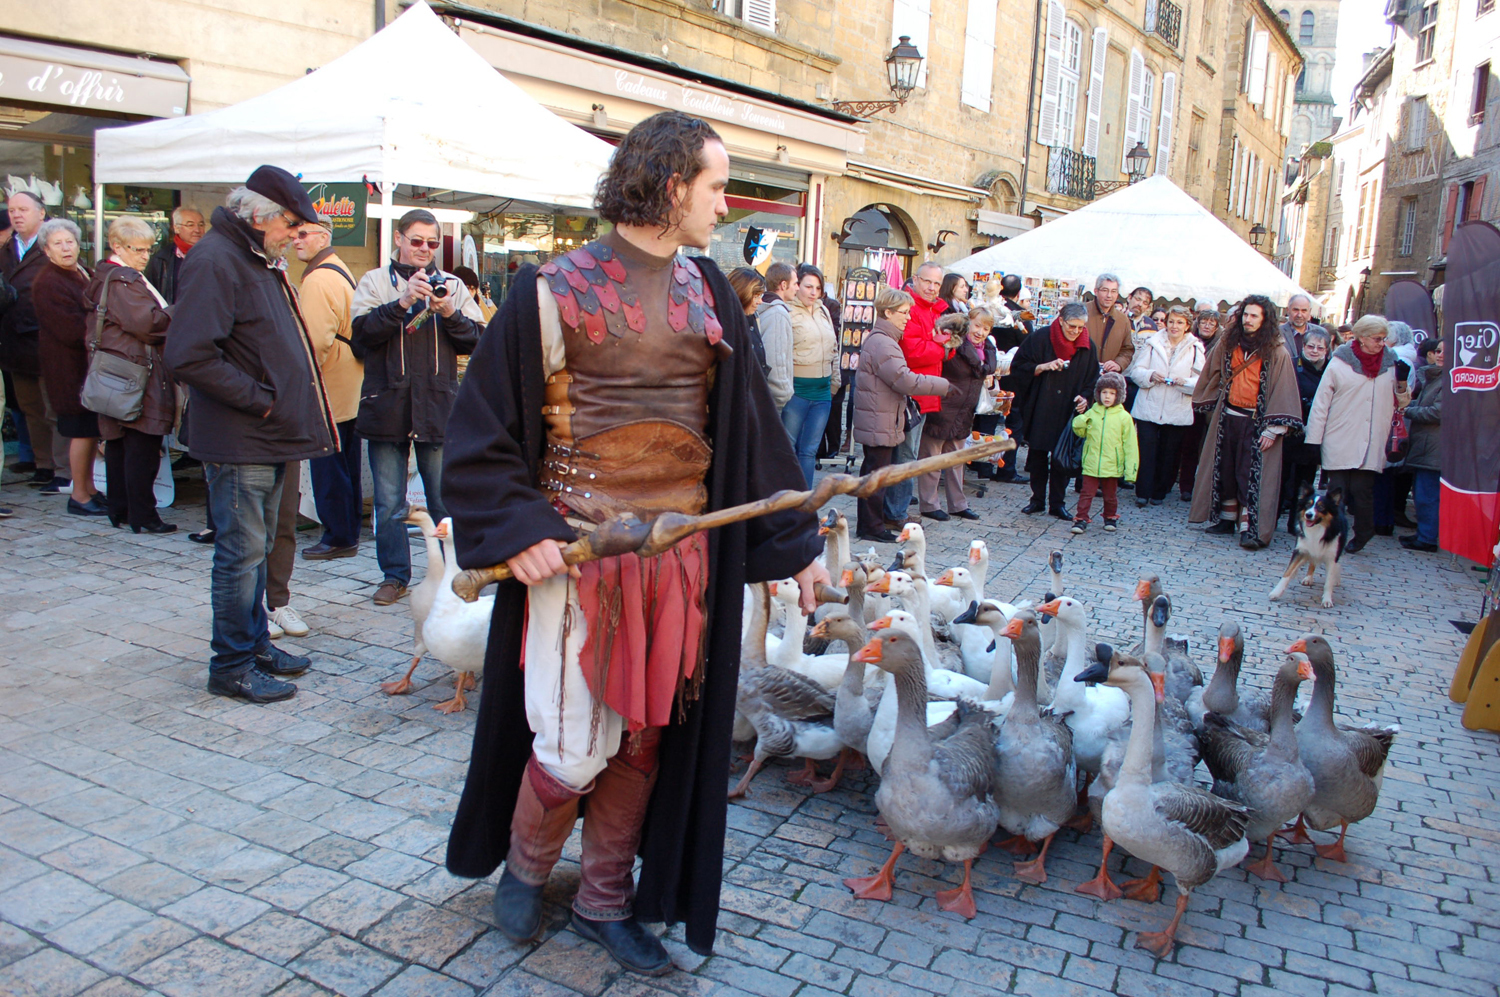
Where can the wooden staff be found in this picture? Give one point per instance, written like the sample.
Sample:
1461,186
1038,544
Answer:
625,534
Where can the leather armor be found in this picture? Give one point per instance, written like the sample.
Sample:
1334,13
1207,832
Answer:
627,416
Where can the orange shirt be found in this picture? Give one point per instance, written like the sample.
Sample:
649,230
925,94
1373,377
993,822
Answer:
1244,388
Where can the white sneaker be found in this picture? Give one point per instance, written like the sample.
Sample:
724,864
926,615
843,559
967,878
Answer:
272,630
286,620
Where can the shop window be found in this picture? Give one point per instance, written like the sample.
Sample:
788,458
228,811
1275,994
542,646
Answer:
1427,33
754,203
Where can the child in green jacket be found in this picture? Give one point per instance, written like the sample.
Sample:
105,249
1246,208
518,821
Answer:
1109,451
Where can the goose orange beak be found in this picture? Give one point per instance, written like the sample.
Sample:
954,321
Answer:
871,652
823,531
1050,608
771,588
1299,645
905,533
1012,629
946,578
1226,649
975,553
1159,683
846,579
820,629
441,531
1142,590
884,623
1304,671
882,584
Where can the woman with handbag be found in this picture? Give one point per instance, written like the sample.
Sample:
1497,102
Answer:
1358,402
129,324
57,296
1055,370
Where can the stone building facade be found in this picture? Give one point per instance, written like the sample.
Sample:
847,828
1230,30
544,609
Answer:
1314,24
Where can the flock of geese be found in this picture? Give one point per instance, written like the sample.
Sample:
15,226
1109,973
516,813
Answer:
980,715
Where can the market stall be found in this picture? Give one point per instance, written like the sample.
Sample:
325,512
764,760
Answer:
1150,233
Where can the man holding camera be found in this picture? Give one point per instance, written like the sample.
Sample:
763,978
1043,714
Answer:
411,322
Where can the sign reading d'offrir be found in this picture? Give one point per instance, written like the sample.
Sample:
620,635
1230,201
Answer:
1470,428
344,204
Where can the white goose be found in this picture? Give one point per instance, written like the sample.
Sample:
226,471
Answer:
977,645
420,600
1092,711
457,631
825,669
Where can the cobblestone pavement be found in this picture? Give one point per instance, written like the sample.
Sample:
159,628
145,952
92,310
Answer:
155,839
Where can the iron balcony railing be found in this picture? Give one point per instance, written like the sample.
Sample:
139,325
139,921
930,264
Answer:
1165,19
1070,173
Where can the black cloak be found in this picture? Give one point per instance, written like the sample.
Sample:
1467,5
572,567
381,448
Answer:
494,444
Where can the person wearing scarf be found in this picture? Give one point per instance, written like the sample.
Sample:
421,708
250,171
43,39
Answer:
1363,386
166,263
1054,369
1250,388
1300,466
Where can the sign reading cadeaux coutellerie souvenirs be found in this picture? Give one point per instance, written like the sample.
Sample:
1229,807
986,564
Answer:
27,74
344,204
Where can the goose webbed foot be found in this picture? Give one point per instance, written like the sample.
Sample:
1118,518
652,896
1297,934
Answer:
806,776
1296,834
1265,868
961,899
1035,871
1161,943
1018,844
1335,851
458,703
880,885
743,785
403,686
1148,889
1101,886
824,785
1083,823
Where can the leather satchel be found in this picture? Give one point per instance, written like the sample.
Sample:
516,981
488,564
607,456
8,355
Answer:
114,386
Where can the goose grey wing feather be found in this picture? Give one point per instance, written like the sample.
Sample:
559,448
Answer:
1227,748
1219,821
1371,746
793,695
966,760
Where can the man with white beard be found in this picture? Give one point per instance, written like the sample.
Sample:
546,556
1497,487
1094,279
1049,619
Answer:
256,406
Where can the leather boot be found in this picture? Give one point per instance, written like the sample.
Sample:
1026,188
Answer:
546,810
613,817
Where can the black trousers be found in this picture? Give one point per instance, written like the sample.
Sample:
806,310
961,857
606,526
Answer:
337,490
1047,476
1160,450
833,430
1236,457
871,515
1299,466
1359,499
130,466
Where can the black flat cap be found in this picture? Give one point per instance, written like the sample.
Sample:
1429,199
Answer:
283,188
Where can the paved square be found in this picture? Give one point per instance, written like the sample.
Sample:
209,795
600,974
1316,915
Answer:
157,840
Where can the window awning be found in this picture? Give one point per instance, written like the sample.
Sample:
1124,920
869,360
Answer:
1001,225
42,73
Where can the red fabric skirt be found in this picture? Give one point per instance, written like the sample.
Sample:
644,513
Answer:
645,644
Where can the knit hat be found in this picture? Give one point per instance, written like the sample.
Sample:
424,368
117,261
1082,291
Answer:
1109,379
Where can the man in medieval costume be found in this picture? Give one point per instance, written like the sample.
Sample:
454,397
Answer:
616,379
1249,389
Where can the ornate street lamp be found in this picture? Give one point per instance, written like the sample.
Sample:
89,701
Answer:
903,66
1136,162
1257,235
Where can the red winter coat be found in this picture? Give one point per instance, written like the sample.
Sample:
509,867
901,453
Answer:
924,354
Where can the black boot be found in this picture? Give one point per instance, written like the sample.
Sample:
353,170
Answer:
629,942
518,908
546,810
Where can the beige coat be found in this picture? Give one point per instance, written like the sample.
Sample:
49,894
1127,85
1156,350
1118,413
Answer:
815,346
1351,413
326,300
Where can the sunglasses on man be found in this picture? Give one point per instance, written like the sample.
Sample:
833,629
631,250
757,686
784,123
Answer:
418,243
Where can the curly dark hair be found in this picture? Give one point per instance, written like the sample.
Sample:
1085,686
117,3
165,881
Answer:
1261,341
637,187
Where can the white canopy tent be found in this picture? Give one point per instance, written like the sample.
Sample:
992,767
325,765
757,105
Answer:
1150,233
458,125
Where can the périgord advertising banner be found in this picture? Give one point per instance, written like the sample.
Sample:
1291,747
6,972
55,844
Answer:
344,204
1470,517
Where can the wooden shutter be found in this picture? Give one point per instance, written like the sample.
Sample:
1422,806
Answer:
1164,127
1474,210
1448,214
1259,49
1046,126
913,18
1133,106
760,14
1096,91
979,54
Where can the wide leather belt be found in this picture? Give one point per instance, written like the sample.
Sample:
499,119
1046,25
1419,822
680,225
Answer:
646,467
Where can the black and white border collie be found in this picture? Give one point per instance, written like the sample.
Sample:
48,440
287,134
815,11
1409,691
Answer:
1322,531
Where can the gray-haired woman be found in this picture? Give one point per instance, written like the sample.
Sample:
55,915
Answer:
1055,368
135,325
62,328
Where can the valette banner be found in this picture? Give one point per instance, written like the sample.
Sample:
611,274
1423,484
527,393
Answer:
1470,518
344,204
1410,302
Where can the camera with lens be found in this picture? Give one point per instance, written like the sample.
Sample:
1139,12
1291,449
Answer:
438,282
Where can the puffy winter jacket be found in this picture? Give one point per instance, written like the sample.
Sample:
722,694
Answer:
1166,404
884,384
1109,445
1425,416
924,354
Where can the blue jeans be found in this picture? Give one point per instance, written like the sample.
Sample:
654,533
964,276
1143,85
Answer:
245,499
337,490
898,496
1426,491
388,480
805,421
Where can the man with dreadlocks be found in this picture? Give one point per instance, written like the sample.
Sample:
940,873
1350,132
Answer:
1249,389
617,378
